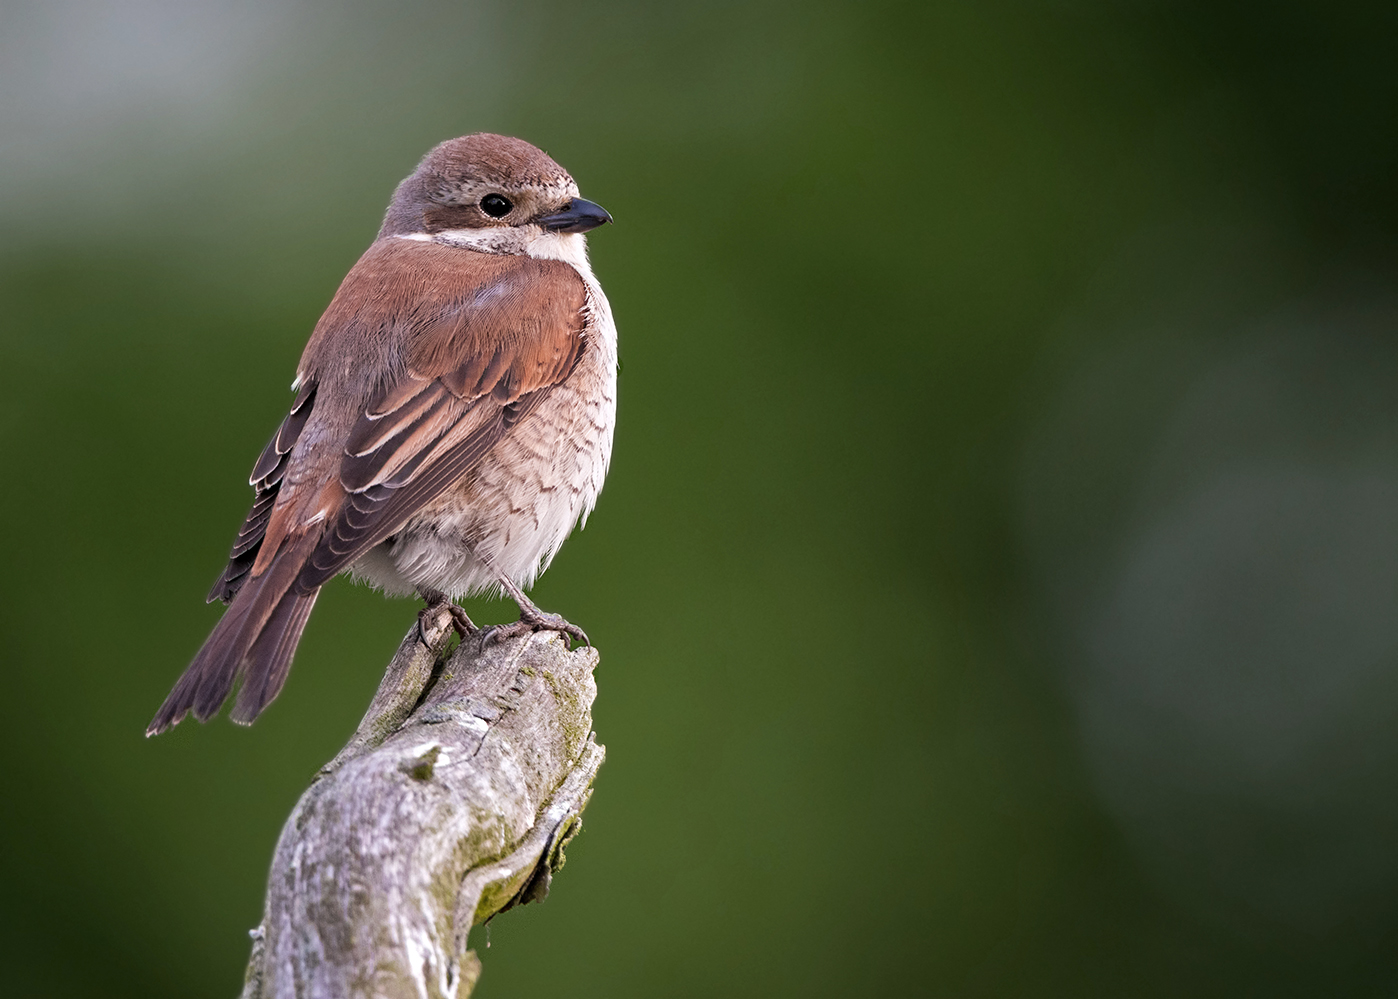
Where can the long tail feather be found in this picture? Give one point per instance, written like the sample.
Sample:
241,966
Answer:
269,659
254,641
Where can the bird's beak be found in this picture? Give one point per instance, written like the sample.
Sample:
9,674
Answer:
579,216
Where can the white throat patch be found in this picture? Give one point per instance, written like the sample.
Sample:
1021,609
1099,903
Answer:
532,241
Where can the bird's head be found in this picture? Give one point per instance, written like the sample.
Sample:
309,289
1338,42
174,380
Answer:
492,193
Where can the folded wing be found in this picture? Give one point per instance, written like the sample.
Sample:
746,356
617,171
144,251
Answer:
469,379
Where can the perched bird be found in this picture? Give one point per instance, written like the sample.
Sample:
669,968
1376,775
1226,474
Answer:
452,422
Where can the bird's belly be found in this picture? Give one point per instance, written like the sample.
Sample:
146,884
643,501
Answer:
513,510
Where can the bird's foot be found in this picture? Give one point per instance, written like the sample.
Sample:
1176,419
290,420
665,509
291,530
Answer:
436,601
531,619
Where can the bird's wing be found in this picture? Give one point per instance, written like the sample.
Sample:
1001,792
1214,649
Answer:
472,369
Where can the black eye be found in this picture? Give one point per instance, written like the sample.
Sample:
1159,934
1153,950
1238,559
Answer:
497,206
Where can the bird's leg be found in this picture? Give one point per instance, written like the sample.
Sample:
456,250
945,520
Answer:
531,618
436,599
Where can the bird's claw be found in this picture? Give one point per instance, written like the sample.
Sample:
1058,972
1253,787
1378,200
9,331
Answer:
460,621
531,621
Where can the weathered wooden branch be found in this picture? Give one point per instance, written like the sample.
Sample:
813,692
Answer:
452,802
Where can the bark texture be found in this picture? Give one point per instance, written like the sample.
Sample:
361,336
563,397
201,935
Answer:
452,802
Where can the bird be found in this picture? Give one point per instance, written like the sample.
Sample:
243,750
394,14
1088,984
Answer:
452,423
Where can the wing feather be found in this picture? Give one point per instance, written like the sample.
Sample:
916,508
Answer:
473,369
266,480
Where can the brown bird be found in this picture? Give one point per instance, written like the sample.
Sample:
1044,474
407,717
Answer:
452,422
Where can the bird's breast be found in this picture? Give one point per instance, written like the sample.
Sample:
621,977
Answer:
524,497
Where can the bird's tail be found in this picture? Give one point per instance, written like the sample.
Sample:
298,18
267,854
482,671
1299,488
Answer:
253,642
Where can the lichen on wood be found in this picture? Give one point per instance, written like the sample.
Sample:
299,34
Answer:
452,802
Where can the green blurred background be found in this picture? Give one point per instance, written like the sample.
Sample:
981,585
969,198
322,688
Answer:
996,579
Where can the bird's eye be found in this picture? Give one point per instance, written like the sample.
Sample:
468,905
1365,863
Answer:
497,206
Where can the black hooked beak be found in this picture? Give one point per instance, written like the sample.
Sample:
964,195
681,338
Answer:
580,216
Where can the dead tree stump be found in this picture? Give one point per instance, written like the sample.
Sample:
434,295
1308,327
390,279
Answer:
452,802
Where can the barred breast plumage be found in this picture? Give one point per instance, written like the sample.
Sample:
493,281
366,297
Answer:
524,498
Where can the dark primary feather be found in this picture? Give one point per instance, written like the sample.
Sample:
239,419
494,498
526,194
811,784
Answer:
266,477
